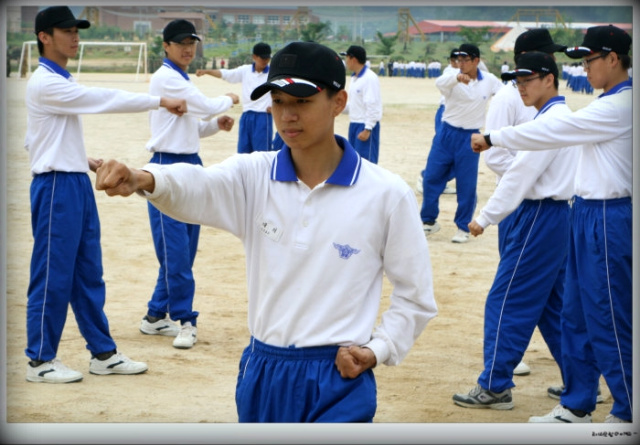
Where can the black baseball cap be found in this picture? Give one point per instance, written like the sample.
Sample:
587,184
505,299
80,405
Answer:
303,69
356,51
262,50
58,17
178,30
467,49
607,38
454,53
532,62
537,39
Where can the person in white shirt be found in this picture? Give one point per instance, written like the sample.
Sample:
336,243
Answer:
529,283
364,106
597,307
507,108
66,262
255,129
315,260
503,69
467,94
177,139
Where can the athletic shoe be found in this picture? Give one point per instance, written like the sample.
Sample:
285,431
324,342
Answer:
187,337
560,414
52,371
430,229
118,363
161,327
460,237
555,391
419,184
522,369
479,397
614,419
448,190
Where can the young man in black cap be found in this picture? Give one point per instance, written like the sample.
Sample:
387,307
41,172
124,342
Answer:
507,108
597,306
451,66
66,263
467,93
178,140
364,105
255,132
528,286
304,213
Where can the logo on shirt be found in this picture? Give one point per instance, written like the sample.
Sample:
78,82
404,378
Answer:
345,250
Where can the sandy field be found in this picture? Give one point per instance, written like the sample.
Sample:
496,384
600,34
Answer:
187,396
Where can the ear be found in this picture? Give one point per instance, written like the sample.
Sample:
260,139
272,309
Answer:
165,45
44,37
339,102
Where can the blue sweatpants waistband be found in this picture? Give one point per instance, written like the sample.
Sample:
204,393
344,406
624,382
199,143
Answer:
293,353
598,202
467,130
173,158
546,201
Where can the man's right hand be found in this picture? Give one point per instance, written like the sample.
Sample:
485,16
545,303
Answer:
115,178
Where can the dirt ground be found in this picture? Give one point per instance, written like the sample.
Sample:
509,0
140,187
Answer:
185,392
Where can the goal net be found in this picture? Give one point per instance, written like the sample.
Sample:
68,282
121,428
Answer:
109,57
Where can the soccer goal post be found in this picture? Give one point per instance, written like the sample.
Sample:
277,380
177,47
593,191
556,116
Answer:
28,55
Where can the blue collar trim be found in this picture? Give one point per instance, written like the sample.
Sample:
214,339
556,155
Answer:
54,67
265,70
346,174
622,86
550,103
361,73
169,64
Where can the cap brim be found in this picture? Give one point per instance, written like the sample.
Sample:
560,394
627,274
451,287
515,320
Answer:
293,86
578,52
180,37
82,24
552,48
510,75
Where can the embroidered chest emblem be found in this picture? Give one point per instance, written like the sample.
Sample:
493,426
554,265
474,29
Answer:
345,250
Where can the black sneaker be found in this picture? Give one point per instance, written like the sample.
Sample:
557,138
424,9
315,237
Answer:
479,397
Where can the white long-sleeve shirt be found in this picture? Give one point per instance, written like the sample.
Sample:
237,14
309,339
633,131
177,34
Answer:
604,128
55,101
171,133
250,79
534,174
506,108
466,104
315,262
364,103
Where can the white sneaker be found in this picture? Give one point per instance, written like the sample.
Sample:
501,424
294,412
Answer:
460,237
560,414
430,229
448,190
161,327
419,184
187,337
556,391
522,369
614,419
52,371
118,363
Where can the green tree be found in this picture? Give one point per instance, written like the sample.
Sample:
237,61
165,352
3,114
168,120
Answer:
249,30
315,32
386,43
474,36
